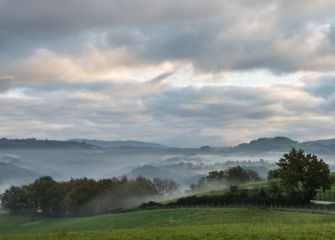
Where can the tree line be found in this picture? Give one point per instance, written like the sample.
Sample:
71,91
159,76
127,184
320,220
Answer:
42,144
84,196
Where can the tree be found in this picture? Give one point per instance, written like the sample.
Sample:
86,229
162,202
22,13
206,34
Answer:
215,176
252,175
165,186
45,196
80,192
236,175
272,174
229,177
299,170
15,199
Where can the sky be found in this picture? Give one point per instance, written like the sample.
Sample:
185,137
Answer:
180,73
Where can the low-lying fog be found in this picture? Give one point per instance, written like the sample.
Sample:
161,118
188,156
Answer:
22,166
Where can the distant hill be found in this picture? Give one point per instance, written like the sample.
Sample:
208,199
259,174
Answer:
32,143
10,171
326,146
283,144
118,144
254,147
326,142
276,144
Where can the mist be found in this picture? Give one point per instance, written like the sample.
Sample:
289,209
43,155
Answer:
23,166
62,164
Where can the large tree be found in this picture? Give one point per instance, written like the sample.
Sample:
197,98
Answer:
45,196
298,170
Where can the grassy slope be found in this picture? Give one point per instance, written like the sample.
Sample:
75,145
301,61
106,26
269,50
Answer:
329,195
186,223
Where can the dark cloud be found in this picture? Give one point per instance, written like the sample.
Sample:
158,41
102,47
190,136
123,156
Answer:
213,35
161,77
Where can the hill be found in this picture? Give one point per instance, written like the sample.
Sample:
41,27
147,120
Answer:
32,143
276,144
283,144
259,146
10,171
118,144
11,174
325,142
184,223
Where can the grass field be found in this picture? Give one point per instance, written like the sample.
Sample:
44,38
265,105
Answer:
185,223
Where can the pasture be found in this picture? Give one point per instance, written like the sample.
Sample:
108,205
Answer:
183,223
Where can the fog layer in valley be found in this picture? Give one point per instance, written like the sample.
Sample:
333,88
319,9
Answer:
66,160
22,166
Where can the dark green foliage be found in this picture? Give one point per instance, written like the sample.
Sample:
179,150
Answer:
237,196
272,174
233,189
298,170
151,205
236,175
231,176
44,195
16,199
82,196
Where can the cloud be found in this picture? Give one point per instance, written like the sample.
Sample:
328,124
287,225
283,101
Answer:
184,116
168,71
323,87
95,68
45,65
212,35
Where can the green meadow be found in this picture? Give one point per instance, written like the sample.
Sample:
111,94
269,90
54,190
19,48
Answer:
171,224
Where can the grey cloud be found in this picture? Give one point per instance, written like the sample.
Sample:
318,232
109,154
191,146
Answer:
332,34
162,76
212,35
323,88
217,115
86,13
279,40
228,103
4,84
28,25
211,47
